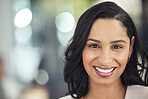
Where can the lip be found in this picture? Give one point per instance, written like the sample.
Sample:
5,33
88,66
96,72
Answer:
104,71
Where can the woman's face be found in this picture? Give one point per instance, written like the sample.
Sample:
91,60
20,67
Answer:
106,52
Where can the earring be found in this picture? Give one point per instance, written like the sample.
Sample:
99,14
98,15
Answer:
128,58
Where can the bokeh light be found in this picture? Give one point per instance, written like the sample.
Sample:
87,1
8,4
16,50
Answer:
23,35
65,22
23,18
28,60
64,38
41,77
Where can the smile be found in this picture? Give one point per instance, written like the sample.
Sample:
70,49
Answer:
104,71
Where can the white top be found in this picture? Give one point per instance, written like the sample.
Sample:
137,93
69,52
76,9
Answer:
132,92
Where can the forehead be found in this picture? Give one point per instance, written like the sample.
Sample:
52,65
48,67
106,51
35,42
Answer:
108,28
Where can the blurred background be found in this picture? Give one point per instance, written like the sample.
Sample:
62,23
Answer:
33,38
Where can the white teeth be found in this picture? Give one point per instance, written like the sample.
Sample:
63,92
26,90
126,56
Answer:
104,70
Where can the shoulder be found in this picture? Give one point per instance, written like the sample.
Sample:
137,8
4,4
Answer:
137,88
136,92
66,97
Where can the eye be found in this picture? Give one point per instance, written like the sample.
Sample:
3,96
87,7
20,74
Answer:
94,46
116,47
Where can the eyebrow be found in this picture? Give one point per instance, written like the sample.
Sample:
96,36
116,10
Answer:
116,41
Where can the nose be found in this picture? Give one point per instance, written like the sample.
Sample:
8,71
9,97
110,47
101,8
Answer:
105,57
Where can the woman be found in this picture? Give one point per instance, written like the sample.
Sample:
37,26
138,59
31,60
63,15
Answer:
105,59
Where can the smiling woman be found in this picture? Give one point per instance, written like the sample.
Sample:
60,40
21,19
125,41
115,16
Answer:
102,61
103,48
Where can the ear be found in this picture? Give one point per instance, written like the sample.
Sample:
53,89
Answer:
131,45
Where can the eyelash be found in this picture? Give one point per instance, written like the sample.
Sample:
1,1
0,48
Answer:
116,47
98,46
94,46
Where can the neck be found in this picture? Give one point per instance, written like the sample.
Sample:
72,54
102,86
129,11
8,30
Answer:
112,91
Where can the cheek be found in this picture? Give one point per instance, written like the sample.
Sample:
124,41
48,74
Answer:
122,58
88,56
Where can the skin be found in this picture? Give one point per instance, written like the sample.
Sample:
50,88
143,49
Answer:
109,46
1,69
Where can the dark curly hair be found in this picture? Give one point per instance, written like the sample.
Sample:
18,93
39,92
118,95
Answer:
136,71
